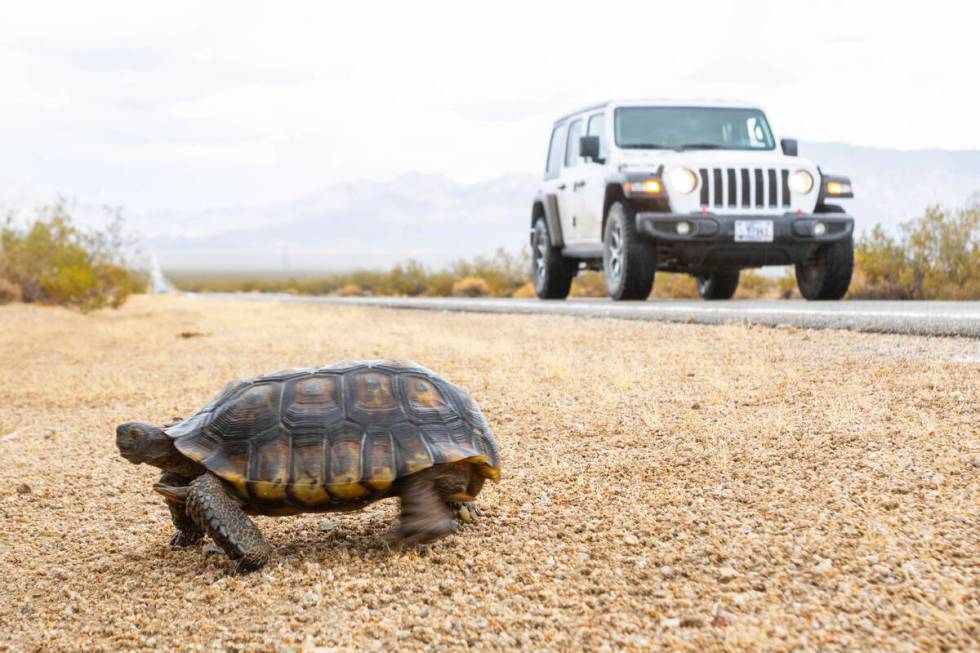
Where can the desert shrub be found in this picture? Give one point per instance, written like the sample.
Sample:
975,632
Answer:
936,256
786,285
669,285
752,285
471,286
527,290
54,262
440,284
589,283
503,272
349,290
9,292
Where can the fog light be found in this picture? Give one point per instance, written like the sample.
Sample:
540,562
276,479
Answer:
683,228
819,229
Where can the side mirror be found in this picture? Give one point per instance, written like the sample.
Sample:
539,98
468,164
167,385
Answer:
790,146
588,148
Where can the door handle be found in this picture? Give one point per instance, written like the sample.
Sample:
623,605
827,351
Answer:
578,184
561,186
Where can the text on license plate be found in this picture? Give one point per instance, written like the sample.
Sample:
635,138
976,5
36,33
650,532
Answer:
753,231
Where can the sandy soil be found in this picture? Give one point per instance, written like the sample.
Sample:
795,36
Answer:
665,486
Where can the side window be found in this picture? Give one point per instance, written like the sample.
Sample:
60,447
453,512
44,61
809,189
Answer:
555,149
597,127
571,147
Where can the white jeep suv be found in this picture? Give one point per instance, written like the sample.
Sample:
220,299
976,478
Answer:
635,187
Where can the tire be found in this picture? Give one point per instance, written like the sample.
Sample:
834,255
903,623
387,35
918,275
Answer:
717,285
551,273
827,274
628,262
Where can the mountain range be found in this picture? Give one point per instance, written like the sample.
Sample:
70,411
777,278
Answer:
434,219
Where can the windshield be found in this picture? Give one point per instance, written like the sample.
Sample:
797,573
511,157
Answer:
681,128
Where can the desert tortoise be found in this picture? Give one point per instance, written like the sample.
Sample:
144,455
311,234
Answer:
328,439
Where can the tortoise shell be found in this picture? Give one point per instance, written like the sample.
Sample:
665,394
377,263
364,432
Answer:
317,439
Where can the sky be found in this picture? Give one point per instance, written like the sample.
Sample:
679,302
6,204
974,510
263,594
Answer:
184,106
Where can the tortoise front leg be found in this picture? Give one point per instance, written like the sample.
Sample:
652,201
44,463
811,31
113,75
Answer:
213,509
188,532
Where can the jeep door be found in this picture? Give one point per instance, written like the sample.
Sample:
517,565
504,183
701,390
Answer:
566,189
588,182
556,181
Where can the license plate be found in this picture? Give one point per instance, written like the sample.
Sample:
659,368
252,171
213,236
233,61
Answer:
753,231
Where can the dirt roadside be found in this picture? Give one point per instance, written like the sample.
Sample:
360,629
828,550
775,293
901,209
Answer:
665,486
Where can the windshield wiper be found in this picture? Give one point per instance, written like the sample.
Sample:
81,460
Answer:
697,146
645,146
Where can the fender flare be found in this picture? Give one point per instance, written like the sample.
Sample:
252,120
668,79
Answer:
546,205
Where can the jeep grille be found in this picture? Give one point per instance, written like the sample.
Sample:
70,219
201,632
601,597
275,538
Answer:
747,188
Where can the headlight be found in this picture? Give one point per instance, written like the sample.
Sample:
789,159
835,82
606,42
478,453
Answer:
801,182
683,180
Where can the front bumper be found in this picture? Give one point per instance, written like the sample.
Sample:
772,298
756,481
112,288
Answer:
714,228
710,239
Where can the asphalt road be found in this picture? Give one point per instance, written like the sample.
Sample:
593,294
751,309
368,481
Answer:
918,318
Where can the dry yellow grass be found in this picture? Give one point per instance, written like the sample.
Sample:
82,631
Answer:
665,486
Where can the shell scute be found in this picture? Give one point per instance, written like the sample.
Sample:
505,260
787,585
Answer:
269,474
344,469
311,401
251,411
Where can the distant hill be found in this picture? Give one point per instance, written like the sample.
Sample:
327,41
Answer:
435,219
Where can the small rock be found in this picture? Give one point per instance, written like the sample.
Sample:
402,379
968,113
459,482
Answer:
693,621
312,599
670,623
328,525
10,436
23,488
722,619
631,539
695,406
824,567
727,574
666,571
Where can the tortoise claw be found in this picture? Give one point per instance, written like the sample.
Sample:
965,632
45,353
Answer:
181,539
466,511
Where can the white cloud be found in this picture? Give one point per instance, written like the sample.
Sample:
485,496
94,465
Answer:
186,106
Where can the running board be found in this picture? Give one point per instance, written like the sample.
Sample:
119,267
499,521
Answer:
582,251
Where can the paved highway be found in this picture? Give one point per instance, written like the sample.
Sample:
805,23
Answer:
920,318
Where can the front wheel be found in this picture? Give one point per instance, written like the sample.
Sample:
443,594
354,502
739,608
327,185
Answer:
717,285
628,262
827,274
551,272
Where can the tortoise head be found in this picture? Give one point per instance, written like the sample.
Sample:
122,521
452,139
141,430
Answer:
145,443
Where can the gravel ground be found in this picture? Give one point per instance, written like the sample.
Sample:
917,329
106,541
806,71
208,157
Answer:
665,486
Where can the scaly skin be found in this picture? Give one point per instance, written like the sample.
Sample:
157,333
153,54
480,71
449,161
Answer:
213,509
188,532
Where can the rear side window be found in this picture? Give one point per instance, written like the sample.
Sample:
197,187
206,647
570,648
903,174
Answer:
571,147
555,150
597,127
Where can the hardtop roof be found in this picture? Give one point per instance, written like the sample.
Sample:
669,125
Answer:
732,104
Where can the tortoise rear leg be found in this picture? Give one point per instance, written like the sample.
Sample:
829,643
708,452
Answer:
425,515
211,506
467,510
